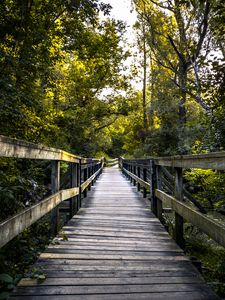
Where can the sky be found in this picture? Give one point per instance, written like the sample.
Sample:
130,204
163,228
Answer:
123,10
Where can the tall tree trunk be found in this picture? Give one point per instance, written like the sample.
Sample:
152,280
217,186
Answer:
145,123
182,74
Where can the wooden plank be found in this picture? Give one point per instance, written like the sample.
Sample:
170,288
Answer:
203,295
109,281
101,250
16,224
107,228
102,233
162,245
111,289
215,230
114,224
120,273
85,184
55,187
119,218
102,257
153,266
139,180
165,244
10,147
215,160
114,253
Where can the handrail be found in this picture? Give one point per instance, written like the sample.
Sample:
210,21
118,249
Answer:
214,160
88,167
137,179
206,161
208,226
136,170
111,162
10,147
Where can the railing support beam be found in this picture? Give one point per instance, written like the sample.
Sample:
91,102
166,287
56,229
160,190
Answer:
178,233
55,186
153,187
145,179
159,207
74,183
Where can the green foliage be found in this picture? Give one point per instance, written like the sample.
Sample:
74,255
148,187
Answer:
207,186
36,273
186,74
56,59
17,256
63,83
22,183
212,257
7,284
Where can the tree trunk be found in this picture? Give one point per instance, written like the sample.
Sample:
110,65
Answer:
145,125
182,107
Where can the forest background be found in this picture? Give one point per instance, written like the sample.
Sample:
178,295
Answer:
67,80
58,59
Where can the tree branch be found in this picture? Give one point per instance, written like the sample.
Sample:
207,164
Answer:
203,32
180,56
106,125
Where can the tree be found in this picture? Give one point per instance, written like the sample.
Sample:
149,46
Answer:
177,33
33,34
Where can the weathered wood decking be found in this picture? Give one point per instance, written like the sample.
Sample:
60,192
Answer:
116,249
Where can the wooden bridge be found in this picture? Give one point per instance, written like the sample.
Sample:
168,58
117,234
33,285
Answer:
114,246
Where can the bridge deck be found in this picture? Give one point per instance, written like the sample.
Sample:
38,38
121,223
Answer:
116,249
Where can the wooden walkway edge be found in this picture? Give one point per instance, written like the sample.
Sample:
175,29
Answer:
115,250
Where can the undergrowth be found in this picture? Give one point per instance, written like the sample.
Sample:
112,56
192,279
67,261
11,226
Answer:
17,257
212,257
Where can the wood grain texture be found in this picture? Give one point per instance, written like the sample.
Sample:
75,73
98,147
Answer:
115,249
10,147
212,228
16,224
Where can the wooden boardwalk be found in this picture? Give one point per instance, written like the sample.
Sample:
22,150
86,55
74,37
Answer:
116,249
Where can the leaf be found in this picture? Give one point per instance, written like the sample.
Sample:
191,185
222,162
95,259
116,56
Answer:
4,295
6,278
42,277
10,286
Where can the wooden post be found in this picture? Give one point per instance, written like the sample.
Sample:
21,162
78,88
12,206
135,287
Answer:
134,181
159,187
139,176
153,187
179,222
98,168
92,172
127,168
85,178
145,179
123,168
121,163
95,169
79,184
73,181
55,186
131,170
89,175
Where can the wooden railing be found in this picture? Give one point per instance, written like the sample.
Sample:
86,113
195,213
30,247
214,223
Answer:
83,173
167,191
111,162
